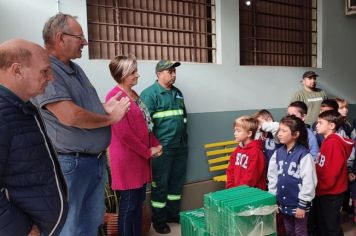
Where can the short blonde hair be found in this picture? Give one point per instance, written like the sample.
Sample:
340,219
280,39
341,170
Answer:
122,66
248,123
342,102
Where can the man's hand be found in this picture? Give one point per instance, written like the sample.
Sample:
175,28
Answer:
120,109
299,213
113,101
34,231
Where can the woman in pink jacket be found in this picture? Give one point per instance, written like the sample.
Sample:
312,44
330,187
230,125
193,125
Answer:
132,145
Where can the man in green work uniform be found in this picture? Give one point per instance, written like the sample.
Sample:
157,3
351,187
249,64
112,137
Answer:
166,106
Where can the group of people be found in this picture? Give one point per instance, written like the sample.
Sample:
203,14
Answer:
55,132
153,129
306,160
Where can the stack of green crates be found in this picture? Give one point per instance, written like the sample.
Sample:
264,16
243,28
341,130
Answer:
193,223
224,212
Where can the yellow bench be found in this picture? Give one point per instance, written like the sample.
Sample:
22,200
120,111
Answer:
219,155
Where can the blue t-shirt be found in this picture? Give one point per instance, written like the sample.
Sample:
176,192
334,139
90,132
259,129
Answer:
72,84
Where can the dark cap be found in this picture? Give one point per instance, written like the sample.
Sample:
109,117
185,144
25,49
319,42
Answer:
165,65
309,74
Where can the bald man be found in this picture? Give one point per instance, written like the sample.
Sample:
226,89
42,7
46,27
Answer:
32,188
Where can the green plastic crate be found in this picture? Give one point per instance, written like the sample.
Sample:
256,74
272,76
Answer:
223,211
193,223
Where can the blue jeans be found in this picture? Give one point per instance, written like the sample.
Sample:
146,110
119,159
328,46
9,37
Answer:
85,178
130,208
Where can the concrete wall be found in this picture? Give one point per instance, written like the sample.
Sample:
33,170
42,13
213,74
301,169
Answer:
215,93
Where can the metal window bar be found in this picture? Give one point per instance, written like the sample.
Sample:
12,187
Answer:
178,30
100,29
278,33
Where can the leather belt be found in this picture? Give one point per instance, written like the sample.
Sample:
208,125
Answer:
84,154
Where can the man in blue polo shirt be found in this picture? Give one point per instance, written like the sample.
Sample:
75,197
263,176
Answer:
78,124
166,106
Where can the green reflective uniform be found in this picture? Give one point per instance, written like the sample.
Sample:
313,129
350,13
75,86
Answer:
169,116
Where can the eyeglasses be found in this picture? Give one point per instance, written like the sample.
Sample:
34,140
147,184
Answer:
80,37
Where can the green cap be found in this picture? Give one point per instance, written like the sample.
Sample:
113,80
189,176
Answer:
165,65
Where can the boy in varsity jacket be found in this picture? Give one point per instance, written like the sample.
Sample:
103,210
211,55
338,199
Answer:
331,168
247,162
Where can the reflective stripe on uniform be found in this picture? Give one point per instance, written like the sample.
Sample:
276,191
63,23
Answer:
158,204
173,197
169,113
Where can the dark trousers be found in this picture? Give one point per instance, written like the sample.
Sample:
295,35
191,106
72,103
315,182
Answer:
294,226
328,208
312,219
168,177
130,211
281,229
346,203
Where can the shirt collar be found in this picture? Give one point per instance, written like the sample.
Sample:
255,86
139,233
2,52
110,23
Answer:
68,69
163,90
292,149
26,107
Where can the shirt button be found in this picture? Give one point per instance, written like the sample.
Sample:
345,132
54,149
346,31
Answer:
284,175
284,197
285,207
282,186
286,163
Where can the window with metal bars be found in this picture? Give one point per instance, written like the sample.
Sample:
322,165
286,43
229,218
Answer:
179,30
278,32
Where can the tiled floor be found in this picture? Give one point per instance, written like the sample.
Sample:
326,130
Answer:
175,230
348,226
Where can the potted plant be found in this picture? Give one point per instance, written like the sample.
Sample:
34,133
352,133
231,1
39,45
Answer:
111,208
110,227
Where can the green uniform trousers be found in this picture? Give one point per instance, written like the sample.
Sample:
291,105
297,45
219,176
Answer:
168,177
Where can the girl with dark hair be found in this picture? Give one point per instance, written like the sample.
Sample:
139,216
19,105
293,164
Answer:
292,175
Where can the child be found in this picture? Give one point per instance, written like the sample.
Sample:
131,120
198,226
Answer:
299,109
344,110
326,105
331,170
329,104
292,176
346,128
247,163
267,133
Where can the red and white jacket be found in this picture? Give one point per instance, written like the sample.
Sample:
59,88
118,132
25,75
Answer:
247,166
331,165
